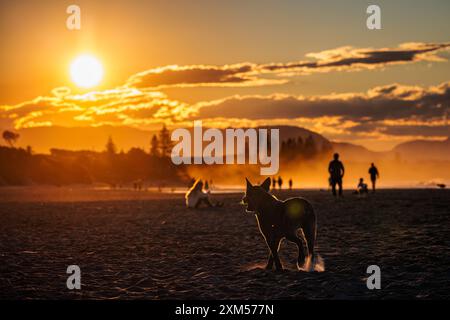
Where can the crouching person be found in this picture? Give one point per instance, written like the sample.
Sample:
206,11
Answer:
362,188
196,196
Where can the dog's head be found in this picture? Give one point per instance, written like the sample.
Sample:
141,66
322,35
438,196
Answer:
255,194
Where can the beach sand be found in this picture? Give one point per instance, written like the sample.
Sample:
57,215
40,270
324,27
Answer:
147,245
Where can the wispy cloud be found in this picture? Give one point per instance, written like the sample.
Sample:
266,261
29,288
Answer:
252,74
237,75
350,58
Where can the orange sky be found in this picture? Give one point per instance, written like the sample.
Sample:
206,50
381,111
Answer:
250,63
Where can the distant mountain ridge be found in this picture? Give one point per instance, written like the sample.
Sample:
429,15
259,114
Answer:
423,149
358,153
415,150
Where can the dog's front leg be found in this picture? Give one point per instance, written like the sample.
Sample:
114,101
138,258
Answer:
269,265
274,245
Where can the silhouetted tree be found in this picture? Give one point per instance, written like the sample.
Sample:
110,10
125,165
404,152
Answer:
165,143
300,145
327,148
110,146
10,137
154,146
290,143
310,146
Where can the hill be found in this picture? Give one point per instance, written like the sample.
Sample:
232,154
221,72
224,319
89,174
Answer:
424,150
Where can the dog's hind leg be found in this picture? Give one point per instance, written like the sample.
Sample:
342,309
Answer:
301,250
309,232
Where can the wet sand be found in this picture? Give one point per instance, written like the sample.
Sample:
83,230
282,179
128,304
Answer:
143,245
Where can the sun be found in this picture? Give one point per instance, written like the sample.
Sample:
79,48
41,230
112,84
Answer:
86,71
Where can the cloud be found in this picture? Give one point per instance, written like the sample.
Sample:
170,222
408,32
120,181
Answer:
390,110
383,112
353,59
199,75
120,106
380,103
407,52
393,110
252,74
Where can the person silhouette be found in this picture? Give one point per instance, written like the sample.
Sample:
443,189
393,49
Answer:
362,187
290,184
336,171
374,175
280,182
197,195
274,183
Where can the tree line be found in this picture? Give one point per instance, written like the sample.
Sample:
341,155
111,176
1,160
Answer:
20,166
304,148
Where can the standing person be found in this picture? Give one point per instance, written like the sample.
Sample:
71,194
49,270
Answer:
280,182
336,170
374,175
274,183
290,184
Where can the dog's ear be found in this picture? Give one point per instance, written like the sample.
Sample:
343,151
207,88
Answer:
266,185
249,185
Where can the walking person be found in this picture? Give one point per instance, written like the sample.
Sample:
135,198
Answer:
280,182
374,175
336,171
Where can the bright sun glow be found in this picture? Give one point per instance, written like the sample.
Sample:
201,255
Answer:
86,71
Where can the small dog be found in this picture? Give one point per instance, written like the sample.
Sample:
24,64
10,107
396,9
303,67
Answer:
282,219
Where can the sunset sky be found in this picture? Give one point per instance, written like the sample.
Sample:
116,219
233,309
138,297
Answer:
312,64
